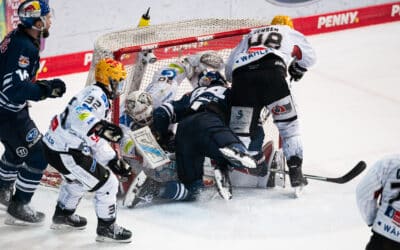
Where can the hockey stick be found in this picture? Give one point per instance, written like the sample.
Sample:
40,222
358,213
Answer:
354,172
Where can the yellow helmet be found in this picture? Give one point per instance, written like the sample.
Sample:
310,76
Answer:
282,20
111,74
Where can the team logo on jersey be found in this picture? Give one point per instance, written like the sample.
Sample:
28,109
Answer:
22,152
167,75
393,214
32,135
291,3
23,61
282,109
83,116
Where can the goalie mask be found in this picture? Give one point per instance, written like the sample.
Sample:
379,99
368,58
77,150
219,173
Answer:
111,75
211,77
139,106
282,20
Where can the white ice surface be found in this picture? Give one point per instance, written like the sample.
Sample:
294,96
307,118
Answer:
350,110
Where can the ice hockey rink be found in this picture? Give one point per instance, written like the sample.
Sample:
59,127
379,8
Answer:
349,106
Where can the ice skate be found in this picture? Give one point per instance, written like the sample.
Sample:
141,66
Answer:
296,176
142,190
6,193
238,156
194,190
67,220
297,180
22,214
112,233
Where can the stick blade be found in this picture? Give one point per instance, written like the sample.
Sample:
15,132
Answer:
354,172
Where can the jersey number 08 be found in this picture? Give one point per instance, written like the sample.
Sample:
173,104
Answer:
269,40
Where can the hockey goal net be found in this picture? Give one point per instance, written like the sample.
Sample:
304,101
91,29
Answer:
170,42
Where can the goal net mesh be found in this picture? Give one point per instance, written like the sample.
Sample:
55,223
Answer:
171,42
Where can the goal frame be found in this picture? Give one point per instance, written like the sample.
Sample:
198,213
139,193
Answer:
168,43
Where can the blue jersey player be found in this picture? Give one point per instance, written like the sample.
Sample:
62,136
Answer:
202,131
23,162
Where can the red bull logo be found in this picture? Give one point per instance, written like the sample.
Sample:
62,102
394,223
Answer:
32,9
29,8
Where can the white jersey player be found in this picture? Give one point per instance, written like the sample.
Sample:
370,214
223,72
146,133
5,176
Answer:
280,39
77,145
257,68
378,198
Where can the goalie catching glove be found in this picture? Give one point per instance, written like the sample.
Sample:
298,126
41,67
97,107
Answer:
120,167
296,72
107,130
51,88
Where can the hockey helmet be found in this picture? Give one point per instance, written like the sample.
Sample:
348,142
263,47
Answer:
139,106
111,74
31,11
282,20
211,77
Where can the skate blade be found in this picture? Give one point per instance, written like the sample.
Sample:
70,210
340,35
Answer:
109,240
244,161
10,220
64,227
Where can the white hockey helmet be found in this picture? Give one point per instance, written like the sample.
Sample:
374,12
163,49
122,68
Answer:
139,106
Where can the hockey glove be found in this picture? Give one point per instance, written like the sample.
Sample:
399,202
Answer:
120,167
296,72
107,130
52,88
